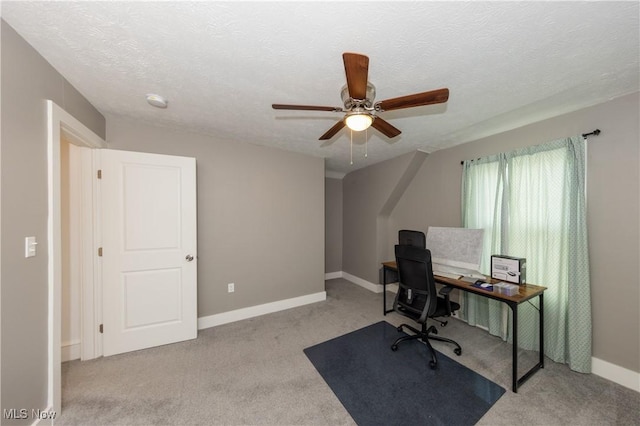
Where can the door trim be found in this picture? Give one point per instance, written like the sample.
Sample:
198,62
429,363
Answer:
59,122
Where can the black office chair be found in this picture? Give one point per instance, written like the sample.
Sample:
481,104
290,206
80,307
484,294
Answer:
417,298
407,237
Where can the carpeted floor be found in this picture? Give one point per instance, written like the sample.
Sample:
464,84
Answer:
255,372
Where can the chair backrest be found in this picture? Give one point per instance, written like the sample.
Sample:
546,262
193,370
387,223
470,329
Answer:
407,237
416,285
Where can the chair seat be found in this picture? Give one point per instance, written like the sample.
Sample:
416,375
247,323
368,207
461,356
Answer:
441,309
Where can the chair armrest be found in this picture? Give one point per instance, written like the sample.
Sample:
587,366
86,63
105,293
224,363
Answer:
445,291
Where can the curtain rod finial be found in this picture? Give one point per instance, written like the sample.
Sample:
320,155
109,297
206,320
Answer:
596,132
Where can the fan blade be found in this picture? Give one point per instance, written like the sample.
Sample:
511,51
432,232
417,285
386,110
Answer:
426,98
332,131
385,128
306,107
356,67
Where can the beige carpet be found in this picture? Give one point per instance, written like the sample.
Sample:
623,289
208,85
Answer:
254,372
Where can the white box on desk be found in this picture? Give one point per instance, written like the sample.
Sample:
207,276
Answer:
506,289
509,269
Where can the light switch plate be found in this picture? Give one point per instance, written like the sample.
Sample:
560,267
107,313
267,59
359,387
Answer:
30,246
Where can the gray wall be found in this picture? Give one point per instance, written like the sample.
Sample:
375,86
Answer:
27,81
369,196
613,189
365,192
333,225
260,215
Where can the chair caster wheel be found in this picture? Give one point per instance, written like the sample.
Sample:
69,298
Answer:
434,331
394,347
432,364
457,351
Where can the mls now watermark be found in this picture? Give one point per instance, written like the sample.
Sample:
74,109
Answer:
23,413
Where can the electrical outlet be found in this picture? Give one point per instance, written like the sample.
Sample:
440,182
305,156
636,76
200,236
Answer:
231,287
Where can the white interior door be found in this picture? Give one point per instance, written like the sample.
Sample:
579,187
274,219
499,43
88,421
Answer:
149,250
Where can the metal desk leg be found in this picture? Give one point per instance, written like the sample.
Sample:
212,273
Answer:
541,320
514,361
517,382
384,290
385,270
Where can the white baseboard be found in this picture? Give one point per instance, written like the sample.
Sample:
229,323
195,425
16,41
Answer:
255,311
333,275
376,288
70,351
620,375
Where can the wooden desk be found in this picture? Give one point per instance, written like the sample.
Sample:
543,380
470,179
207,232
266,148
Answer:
527,291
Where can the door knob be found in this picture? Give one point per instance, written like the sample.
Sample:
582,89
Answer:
189,258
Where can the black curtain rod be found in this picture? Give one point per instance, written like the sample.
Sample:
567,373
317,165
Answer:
596,132
462,162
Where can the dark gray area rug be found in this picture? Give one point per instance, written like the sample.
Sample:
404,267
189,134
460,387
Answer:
380,387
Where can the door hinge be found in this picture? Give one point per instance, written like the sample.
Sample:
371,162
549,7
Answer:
100,251
101,328
99,174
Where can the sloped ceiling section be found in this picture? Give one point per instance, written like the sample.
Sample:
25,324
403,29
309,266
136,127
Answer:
222,65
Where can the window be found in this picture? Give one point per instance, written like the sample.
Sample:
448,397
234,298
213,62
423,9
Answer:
531,203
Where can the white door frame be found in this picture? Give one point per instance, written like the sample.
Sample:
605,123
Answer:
61,122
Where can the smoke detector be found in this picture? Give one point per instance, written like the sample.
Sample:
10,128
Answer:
156,100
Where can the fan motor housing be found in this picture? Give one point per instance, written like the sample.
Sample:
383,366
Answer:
350,103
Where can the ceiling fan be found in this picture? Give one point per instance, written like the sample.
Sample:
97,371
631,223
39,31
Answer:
358,97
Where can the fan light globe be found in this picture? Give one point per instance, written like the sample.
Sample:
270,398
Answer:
358,122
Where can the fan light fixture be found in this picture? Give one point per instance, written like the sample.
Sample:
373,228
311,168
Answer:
358,121
358,98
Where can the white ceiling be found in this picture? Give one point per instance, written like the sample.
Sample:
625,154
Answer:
222,65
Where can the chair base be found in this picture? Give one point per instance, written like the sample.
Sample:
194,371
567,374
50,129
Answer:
425,335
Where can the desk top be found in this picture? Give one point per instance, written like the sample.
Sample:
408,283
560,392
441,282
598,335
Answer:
526,291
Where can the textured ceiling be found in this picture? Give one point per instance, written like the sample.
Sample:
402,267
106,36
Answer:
222,65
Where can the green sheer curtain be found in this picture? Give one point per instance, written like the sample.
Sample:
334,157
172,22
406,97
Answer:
531,204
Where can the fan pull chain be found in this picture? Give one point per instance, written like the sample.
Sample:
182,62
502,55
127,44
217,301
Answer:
352,147
366,141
